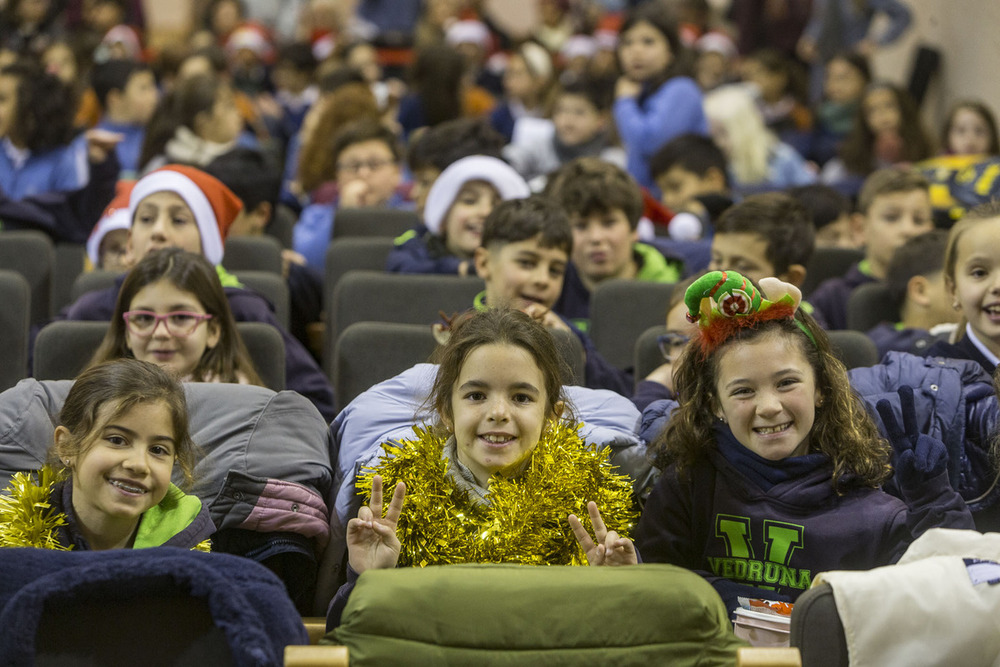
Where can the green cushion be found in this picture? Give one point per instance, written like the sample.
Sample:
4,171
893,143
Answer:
486,614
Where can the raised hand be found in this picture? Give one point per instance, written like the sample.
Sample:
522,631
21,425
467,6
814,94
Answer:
371,539
609,548
918,457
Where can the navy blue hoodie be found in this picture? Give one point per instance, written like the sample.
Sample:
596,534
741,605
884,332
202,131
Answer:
743,538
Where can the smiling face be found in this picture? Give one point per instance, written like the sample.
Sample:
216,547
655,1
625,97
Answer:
968,134
498,406
522,273
602,246
123,473
178,354
976,283
766,392
463,224
644,52
163,220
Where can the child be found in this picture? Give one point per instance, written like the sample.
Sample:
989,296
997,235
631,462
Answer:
915,279
578,128
971,268
193,124
183,207
772,464
437,89
436,148
53,179
653,103
831,215
894,206
782,101
970,129
295,90
172,312
121,432
127,93
758,160
765,235
845,78
526,245
367,157
693,177
526,82
887,131
457,204
502,433
604,205
256,181
107,245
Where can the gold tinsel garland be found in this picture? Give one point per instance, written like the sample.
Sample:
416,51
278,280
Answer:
525,520
27,518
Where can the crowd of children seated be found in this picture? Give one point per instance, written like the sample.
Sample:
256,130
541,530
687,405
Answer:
725,159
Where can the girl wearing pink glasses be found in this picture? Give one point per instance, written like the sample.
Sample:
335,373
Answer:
172,311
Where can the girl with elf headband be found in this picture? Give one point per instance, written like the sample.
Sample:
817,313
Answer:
771,464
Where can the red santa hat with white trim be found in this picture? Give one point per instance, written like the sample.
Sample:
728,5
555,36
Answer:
115,216
214,206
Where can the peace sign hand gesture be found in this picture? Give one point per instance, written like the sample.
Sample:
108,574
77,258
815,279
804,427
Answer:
918,456
371,539
609,549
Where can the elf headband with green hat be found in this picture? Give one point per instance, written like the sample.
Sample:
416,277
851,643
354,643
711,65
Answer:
723,302
214,206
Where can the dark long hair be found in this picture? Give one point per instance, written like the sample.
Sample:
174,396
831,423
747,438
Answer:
192,273
190,97
843,429
661,18
44,110
497,326
857,151
437,78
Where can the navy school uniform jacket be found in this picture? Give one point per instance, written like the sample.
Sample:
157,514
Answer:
743,538
302,374
419,251
830,299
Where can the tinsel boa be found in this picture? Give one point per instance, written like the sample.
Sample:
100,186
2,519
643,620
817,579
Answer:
27,518
525,520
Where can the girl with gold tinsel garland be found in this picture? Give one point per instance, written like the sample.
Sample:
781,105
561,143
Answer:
122,429
502,478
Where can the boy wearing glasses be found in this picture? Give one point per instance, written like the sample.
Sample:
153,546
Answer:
367,158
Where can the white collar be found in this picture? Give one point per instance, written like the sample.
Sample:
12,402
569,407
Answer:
18,156
979,346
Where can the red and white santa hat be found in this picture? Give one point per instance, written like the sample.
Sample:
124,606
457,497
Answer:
214,206
499,174
115,216
253,37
